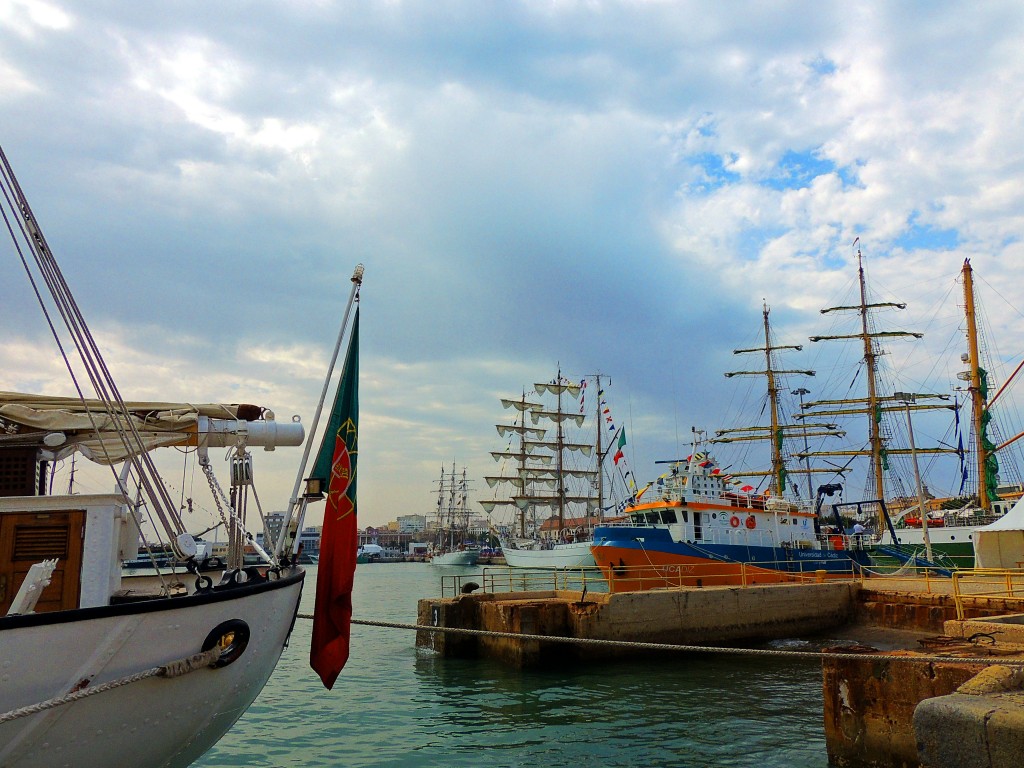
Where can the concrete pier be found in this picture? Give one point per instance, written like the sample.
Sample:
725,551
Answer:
697,616
885,713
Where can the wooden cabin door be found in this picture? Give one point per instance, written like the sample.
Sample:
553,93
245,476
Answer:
27,538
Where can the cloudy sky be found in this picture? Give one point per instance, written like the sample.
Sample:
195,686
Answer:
611,188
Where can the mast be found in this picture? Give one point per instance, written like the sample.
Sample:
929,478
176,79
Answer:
540,458
977,389
875,404
522,464
559,457
777,431
598,426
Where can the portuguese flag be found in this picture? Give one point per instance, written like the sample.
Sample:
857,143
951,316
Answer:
336,462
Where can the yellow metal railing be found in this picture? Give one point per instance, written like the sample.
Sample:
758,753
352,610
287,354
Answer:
986,582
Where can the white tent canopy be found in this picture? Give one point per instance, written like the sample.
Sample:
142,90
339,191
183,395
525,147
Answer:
1001,544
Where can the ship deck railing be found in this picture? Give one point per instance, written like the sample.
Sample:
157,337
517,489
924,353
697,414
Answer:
643,577
966,583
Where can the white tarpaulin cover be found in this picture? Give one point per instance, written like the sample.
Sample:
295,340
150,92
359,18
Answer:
1001,544
157,423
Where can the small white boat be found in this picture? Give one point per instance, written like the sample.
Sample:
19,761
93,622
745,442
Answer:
369,553
465,556
532,554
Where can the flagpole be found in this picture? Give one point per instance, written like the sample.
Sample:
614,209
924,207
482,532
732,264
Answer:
357,281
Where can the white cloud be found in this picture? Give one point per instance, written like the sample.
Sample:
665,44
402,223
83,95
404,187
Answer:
598,184
27,18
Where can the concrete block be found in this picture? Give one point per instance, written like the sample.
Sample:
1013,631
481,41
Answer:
951,731
1006,732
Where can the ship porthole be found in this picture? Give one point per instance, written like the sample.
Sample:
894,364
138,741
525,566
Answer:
231,637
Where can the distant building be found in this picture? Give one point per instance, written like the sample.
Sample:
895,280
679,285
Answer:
272,527
411,523
309,539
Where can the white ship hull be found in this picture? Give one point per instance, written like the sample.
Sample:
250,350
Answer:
572,555
467,557
165,722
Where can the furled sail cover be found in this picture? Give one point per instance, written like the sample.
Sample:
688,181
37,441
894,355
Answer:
557,417
519,405
502,455
158,423
493,481
532,473
583,448
556,389
490,505
539,502
504,430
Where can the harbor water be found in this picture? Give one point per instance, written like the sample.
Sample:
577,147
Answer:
396,706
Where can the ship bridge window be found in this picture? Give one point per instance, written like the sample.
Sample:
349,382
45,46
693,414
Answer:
668,516
653,517
686,516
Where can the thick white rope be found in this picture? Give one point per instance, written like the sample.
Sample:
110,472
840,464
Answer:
818,655
177,668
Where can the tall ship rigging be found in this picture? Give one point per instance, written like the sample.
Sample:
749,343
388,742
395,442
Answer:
948,527
702,525
452,544
780,432
551,483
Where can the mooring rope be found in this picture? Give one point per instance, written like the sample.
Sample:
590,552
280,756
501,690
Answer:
636,645
176,668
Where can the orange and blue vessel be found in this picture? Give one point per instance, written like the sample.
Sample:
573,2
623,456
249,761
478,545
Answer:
699,529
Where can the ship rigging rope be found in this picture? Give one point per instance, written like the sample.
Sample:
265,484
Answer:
177,668
818,655
19,220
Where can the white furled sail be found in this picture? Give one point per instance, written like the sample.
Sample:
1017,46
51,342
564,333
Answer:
552,477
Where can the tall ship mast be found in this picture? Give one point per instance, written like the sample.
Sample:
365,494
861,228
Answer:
986,466
777,431
452,545
548,474
876,404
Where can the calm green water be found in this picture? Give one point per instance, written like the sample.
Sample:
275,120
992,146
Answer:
396,706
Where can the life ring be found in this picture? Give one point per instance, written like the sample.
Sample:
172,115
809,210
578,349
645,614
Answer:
751,522
734,521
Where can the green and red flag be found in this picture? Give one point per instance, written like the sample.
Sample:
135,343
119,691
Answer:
336,463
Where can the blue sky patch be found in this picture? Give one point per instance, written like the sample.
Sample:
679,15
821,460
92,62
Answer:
797,170
715,173
926,237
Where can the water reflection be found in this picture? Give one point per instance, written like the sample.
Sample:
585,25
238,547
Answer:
396,706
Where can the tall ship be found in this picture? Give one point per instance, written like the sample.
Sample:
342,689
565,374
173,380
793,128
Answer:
452,544
550,481
700,524
941,530
946,526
